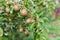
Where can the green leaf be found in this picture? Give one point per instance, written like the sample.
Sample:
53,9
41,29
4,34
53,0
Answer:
41,20
11,9
1,32
2,1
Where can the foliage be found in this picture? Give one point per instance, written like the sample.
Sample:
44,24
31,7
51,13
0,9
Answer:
38,10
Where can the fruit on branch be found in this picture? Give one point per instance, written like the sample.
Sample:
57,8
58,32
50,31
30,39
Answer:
21,29
26,32
28,21
7,9
16,8
24,12
18,23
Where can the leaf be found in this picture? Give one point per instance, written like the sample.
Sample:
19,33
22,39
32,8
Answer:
11,9
31,26
2,1
0,38
41,20
4,38
1,32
